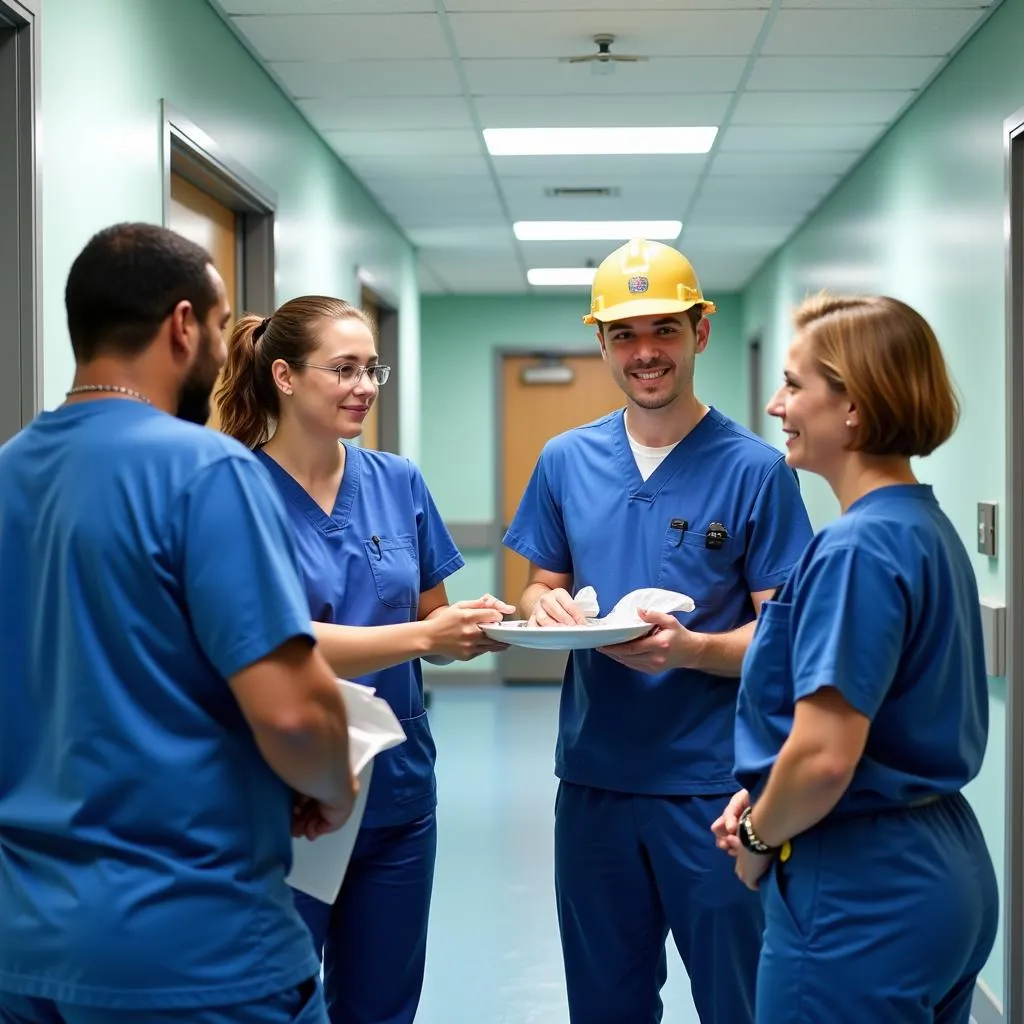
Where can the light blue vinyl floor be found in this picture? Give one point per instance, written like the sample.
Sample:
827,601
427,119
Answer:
493,955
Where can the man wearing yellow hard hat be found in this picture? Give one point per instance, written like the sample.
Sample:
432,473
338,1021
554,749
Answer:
672,494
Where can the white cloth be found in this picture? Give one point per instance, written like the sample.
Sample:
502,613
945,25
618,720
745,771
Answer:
626,611
319,865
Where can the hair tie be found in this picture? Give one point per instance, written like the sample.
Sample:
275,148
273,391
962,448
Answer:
261,329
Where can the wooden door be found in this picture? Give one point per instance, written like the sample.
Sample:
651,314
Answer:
370,437
203,220
531,415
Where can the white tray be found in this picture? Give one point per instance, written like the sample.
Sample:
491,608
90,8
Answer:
562,638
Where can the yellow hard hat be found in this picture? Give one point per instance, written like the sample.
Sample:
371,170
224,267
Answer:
644,278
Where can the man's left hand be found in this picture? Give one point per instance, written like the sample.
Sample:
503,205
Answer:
669,645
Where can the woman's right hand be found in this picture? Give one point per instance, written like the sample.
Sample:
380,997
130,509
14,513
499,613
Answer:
727,824
456,632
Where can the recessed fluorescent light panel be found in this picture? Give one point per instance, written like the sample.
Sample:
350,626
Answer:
594,230
555,276
597,141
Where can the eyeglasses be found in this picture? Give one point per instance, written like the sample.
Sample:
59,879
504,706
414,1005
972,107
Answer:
352,373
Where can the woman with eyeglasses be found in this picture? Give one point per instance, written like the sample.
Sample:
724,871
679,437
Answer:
374,554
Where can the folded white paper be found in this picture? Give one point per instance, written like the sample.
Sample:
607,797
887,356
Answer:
319,865
626,611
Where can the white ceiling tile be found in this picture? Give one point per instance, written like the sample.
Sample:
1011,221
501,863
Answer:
467,274
460,6
562,33
326,6
876,32
354,79
333,37
634,204
810,108
410,144
785,163
595,111
886,4
432,188
778,190
549,77
750,138
500,256
566,254
432,165
601,170
377,80
842,73
387,113
723,273
473,238
709,239
411,212
750,212
429,282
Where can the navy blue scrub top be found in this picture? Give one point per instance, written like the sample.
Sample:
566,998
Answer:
366,564
144,840
884,607
588,512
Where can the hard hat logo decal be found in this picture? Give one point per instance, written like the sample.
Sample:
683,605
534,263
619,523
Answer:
638,285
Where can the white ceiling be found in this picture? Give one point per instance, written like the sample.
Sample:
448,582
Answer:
400,89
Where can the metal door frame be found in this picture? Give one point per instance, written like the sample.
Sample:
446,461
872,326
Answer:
20,222
1013,896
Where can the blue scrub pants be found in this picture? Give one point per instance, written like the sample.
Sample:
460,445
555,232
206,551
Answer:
303,1004
886,918
629,869
373,939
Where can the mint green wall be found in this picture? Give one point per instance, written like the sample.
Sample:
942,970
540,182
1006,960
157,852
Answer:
922,219
102,163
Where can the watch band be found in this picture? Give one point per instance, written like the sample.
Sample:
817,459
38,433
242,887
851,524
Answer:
748,837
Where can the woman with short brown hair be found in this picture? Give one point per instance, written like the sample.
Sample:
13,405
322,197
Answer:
863,705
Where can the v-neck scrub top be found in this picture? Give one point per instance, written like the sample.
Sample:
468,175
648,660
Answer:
367,564
588,511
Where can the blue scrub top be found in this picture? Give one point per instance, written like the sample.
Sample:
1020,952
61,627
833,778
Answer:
144,841
587,511
366,564
884,607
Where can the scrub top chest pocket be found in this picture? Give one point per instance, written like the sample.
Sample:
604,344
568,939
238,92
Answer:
698,563
395,569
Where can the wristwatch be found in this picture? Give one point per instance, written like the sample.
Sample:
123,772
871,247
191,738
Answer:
748,837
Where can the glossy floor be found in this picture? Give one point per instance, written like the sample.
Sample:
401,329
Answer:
493,955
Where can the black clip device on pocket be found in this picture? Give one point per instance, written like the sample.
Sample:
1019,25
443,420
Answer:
715,536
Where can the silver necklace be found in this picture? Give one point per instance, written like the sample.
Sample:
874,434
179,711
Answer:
116,388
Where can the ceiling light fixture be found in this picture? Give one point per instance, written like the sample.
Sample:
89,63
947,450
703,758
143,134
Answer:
561,276
597,141
595,230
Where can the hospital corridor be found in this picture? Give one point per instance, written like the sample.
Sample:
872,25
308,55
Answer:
512,512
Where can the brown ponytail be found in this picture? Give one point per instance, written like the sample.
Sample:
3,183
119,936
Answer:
247,399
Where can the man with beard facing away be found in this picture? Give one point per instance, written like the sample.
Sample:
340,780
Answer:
168,722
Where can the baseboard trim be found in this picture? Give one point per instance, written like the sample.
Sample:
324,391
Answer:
986,1009
439,679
